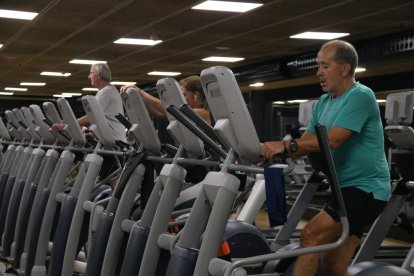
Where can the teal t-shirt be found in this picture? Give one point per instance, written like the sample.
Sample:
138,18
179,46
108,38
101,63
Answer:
360,160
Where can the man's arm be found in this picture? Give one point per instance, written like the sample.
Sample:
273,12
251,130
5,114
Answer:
83,121
309,142
306,144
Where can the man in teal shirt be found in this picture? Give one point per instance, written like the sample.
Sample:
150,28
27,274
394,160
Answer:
351,114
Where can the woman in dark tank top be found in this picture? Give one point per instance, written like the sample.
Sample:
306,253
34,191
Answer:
194,95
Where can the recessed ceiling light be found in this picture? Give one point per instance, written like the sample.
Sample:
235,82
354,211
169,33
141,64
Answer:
1,45
161,73
86,61
89,89
17,14
6,93
61,96
297,101
319,35
223,59
55,74
137,41
279,102
256,84
64,94
123,82
381,101
226,6
360,69
15,89
32,83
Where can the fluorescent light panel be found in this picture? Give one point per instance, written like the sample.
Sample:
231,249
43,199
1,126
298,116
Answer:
297,101
61,96
319,35
123,82
17,14
137,41
279,102
1,45
6,93
226,6
360,69
161,73
381,101
32,83
86,61
256,84
89,89
66,94
223,59
71,94
15,89
55,74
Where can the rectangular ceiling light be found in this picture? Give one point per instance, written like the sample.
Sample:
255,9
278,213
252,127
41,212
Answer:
137,41
61,96
226,6
70,94
1,45
223,59
256,84
32,83
297,101
55,74
89,89
86,61
15,89
167,74
17,14
6,93
360,69
123,82
319,35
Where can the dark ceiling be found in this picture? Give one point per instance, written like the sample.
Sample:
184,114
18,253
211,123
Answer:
85,29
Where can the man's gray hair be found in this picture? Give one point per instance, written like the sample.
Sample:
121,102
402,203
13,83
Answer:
103,71
344,53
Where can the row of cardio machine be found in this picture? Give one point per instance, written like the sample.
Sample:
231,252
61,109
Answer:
57,217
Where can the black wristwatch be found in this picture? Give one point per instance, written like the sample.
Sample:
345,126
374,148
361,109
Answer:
293,146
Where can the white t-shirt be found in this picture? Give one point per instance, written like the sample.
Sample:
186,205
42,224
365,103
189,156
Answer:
111,103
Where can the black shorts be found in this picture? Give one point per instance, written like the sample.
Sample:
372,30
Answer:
361,207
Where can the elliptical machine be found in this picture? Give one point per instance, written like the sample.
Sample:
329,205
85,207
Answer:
399,114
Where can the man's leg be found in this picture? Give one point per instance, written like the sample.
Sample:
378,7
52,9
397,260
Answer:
336,262
321,229
362,209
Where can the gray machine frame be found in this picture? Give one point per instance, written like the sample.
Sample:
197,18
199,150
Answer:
166,191
35,257
145,135
52,114
398,115
170,94
83,188
211,210
40,126
4,132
